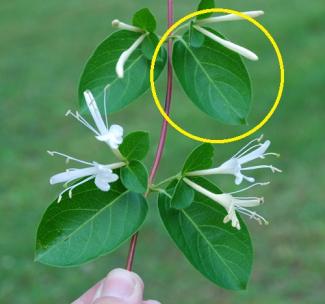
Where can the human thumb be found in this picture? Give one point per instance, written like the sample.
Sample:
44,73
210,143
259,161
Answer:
120,287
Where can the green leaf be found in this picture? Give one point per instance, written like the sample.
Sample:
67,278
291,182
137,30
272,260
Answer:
149,45
145,19
90,224
205,4
200,158
100,71
196,39
214,78
183,196
135,145
135,177
220,252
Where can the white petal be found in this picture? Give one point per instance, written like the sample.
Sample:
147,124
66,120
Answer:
239,179
248,203
71,175
102,180
114,136
258,153
109,177
93,109
102,184
116,130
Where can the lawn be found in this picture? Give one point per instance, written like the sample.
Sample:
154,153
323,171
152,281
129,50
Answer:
44,45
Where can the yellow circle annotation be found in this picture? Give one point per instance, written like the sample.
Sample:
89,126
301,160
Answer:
230,139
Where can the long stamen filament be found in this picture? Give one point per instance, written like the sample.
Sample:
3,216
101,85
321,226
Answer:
78,184
273,169
247,145
82,120
249,187
72,187
249,149
105,102
252,215
273,154
53,153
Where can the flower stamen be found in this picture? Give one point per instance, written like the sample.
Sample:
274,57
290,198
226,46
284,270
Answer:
234,165
232,203
82,120
249,187
68,158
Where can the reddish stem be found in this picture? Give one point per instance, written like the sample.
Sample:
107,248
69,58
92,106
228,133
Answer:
163,132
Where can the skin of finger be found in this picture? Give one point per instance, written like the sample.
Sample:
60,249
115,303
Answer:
110,300
137,295
151,302
136,298
88,296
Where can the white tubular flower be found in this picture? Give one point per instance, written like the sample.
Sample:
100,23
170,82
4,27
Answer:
227,44
102,174
113,135
229,17
126,55
123,26
232,203
234,166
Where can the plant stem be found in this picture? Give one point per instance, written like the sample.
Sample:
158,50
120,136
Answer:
163,133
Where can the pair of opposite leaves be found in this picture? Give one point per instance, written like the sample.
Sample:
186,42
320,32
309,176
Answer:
213,77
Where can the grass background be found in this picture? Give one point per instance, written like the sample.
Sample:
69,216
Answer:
44,45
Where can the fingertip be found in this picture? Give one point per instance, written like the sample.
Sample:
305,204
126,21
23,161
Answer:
89,295
78,302
151,302
120,272
109,300
123,285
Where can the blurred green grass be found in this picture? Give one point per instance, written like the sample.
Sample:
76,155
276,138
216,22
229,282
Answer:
44,45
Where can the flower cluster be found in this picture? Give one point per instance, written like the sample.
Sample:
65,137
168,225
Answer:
234,166
198,25
102,174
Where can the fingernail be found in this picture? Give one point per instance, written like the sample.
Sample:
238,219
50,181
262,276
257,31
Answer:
119,283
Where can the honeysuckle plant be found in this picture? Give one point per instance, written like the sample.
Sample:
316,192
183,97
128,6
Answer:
104,205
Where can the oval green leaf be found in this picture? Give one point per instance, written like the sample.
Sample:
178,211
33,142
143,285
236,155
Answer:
90,224
135,177
183,196
221,253
196,39
214,78
135,145
100,71
200,158
205,4
149,45
145,19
